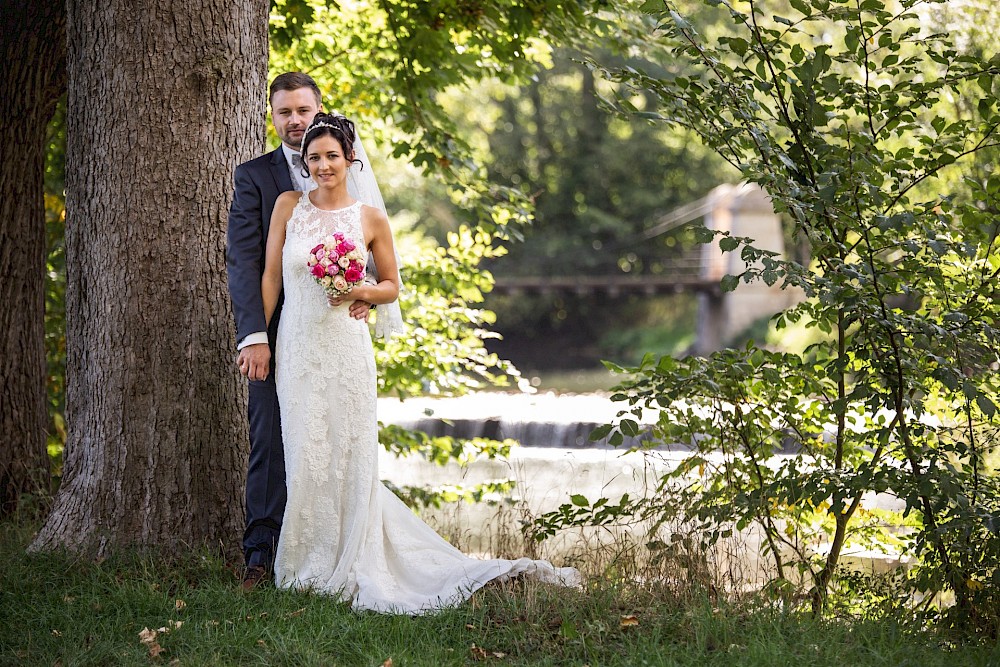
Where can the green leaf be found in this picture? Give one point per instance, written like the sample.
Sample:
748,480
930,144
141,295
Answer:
739,46
579,500
802,6
601,432
703,234
985,404
728,244
729,283
851,39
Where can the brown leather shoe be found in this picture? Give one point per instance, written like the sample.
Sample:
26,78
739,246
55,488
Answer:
253,577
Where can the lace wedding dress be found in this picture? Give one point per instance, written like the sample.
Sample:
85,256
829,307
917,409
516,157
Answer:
344,532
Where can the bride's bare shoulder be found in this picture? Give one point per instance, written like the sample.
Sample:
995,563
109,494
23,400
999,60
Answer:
372,214
288,199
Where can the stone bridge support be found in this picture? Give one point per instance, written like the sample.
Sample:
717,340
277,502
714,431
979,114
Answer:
741,210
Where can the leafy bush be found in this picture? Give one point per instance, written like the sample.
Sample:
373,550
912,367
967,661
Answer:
841,112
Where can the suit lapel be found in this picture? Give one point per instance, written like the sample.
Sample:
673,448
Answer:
279,170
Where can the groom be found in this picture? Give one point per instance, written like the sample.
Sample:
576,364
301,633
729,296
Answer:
295,99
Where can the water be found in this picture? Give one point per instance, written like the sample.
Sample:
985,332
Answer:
556,460
534,420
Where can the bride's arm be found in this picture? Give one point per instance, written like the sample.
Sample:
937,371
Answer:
380,244
270,282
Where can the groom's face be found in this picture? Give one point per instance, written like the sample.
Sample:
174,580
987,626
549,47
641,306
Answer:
291,112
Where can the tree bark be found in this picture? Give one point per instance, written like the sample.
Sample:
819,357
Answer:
33,47
165,99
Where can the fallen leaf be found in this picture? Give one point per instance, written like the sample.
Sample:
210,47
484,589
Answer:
297,612
629,621
387,663
477,652
178,624
147,636
470,626
499,654
179,605
57,633
260,642
69,599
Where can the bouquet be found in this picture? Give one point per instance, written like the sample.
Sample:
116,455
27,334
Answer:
337,264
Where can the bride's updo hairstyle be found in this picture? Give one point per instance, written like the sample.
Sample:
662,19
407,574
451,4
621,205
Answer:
338,127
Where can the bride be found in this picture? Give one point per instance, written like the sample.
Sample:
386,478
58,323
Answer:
344,533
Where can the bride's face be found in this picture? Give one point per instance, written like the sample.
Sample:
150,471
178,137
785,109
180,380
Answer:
327,163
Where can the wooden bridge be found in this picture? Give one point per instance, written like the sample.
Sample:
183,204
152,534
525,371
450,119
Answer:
613,286
741,210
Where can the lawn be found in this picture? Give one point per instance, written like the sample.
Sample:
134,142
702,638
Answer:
57,610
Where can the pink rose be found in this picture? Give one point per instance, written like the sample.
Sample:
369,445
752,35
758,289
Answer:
318,271
339,283
316,249
320,254
332,270
344,262
353,275
344,247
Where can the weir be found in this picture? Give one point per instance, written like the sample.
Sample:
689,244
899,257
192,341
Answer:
554,461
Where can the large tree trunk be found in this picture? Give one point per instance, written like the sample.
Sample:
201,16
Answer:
165,98
33,48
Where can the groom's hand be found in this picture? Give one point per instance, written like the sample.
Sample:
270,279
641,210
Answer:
255,361
359,310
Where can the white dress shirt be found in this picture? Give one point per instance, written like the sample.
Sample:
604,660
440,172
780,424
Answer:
301,183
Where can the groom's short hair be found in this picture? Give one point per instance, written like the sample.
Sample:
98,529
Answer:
293,81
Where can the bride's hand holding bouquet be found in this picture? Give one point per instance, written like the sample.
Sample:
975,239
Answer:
338,266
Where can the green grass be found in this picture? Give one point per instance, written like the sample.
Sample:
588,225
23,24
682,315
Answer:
59,610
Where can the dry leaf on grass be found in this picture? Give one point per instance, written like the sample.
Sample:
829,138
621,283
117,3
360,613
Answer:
479,653
297,612
629,621
179,605
387,663
147,638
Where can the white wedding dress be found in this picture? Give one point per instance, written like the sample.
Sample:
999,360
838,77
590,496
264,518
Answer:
344,533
